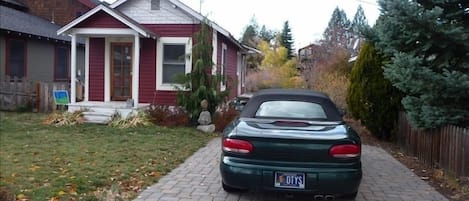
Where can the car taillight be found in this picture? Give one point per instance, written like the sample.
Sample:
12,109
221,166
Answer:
345,151
237,146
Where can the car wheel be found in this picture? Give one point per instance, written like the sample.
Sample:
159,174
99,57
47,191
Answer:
229,189
350,196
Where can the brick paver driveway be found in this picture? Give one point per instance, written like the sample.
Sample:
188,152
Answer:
384,178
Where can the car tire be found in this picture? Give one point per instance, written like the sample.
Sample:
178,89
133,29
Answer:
229,189
350,196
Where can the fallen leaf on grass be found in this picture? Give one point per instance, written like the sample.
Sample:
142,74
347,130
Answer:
54,199
34,168
21,197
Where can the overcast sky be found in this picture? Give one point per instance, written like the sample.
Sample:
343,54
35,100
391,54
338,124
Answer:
307,18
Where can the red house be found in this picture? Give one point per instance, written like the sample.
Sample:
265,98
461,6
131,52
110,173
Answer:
134,49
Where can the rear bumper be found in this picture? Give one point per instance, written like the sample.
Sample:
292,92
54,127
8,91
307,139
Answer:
335,181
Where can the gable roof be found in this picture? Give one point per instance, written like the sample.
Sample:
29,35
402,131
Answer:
114,13
194,14
15,20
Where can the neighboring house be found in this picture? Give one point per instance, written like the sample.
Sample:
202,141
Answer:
135,48
59,12
30,47
307,56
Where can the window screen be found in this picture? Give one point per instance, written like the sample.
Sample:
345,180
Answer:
61,63
291,109
174,62
16,58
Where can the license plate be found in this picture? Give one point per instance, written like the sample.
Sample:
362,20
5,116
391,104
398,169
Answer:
290,180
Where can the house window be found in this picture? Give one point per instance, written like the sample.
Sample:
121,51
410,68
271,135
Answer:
16,58
223,67
62,63
173,61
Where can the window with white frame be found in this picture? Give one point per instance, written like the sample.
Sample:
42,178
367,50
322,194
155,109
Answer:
224,64
173,61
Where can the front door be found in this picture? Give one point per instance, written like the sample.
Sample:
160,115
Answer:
121,71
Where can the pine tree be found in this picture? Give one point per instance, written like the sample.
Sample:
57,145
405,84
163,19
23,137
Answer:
337,33
286,39
267,35
251,33
428,43
359,23
370,97
199,84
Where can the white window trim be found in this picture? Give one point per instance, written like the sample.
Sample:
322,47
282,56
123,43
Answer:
224,49
159,60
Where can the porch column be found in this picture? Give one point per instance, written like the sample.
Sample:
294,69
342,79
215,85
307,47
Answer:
87,68
136,70
73,70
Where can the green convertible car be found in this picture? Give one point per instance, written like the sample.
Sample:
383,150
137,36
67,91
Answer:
292,141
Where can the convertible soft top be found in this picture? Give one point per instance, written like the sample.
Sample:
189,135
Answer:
322,99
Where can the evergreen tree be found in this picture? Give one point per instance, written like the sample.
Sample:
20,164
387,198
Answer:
200,84
337,33
372,98
286,39
251,34
359,23
428,43
267,35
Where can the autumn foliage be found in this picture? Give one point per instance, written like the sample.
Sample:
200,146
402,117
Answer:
164,115
276,70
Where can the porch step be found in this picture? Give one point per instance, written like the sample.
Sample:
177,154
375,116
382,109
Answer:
98,117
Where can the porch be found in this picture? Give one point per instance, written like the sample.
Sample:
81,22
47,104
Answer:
102,112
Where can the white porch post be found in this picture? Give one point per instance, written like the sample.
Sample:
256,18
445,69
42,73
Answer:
73,69
136,70
87,69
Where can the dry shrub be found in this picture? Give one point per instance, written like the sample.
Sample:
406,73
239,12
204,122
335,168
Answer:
133,121
332,83
169,116
224,116
64,119
261,79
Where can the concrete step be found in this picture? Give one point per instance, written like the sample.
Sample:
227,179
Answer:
98,117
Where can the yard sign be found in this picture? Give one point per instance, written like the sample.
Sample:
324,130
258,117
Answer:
61,97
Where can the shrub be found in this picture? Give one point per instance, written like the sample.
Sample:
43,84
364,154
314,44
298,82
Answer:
169,116
332,83
140,119
224,116
64,118
371,98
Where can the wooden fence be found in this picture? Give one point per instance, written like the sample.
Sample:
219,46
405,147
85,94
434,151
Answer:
21,93
446,147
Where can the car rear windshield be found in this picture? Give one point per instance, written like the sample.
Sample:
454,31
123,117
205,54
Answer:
291,109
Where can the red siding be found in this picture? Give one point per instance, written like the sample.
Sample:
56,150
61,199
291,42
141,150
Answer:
165,98
162,30
101,20
232,62
96,69
147,70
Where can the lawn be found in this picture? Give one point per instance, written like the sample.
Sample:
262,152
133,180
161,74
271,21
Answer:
86,162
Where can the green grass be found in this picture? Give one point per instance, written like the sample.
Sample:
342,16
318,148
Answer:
42,162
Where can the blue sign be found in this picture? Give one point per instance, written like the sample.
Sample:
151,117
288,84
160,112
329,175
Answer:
61,97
